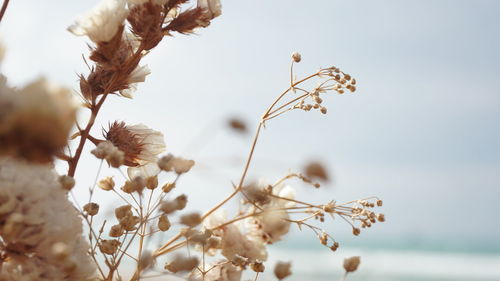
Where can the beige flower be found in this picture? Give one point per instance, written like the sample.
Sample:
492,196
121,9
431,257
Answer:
140,144
102,22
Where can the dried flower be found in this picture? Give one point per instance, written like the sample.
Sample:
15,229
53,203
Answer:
351,264
168,187
38,221
116,231
171,163
191,220
237,125
123,211
177,204
257,266
282,270
109,246
316,170
91,208
103,22
140,144
181,263
163,223
106,184
296,57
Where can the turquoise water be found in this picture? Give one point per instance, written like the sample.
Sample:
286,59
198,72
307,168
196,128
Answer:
394,259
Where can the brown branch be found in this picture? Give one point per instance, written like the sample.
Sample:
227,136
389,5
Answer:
4,8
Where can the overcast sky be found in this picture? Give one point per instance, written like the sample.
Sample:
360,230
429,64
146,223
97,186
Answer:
422,131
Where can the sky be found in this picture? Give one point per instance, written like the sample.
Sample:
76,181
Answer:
421,131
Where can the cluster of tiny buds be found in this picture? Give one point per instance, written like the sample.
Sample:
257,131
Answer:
366,216
323,239
110,153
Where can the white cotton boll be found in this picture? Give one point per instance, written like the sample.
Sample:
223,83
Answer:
102,22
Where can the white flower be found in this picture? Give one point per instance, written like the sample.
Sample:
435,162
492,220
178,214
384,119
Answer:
138,75
213,8
272,224
234,241
102,22
37,217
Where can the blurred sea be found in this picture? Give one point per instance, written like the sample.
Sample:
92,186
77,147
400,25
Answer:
393,260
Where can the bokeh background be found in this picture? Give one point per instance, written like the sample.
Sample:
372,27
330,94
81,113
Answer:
421,132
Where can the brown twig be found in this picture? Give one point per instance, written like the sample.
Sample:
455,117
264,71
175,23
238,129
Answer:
4,8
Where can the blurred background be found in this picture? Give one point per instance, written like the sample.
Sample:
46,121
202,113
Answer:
421,132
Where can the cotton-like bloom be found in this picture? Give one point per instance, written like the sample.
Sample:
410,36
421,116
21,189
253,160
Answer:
234,241
141,146
272,225
138,75
35,121
102,22
40,226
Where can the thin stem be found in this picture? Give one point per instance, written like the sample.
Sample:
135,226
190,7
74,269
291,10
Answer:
4,8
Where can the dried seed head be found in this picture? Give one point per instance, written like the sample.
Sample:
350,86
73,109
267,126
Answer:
356,231
323,110
177,204
282,270
181,202
116,231
123,211
257,266
351,264
163,223
106,184
323,238
296,57
168,187
380,203
139,144
67,182
257,194
191,220
164,162
381,217
237,125
91,209
129,222
152,182
109,246
316,170
181,263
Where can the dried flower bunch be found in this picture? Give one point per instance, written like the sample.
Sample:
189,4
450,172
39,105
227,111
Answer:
41,233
